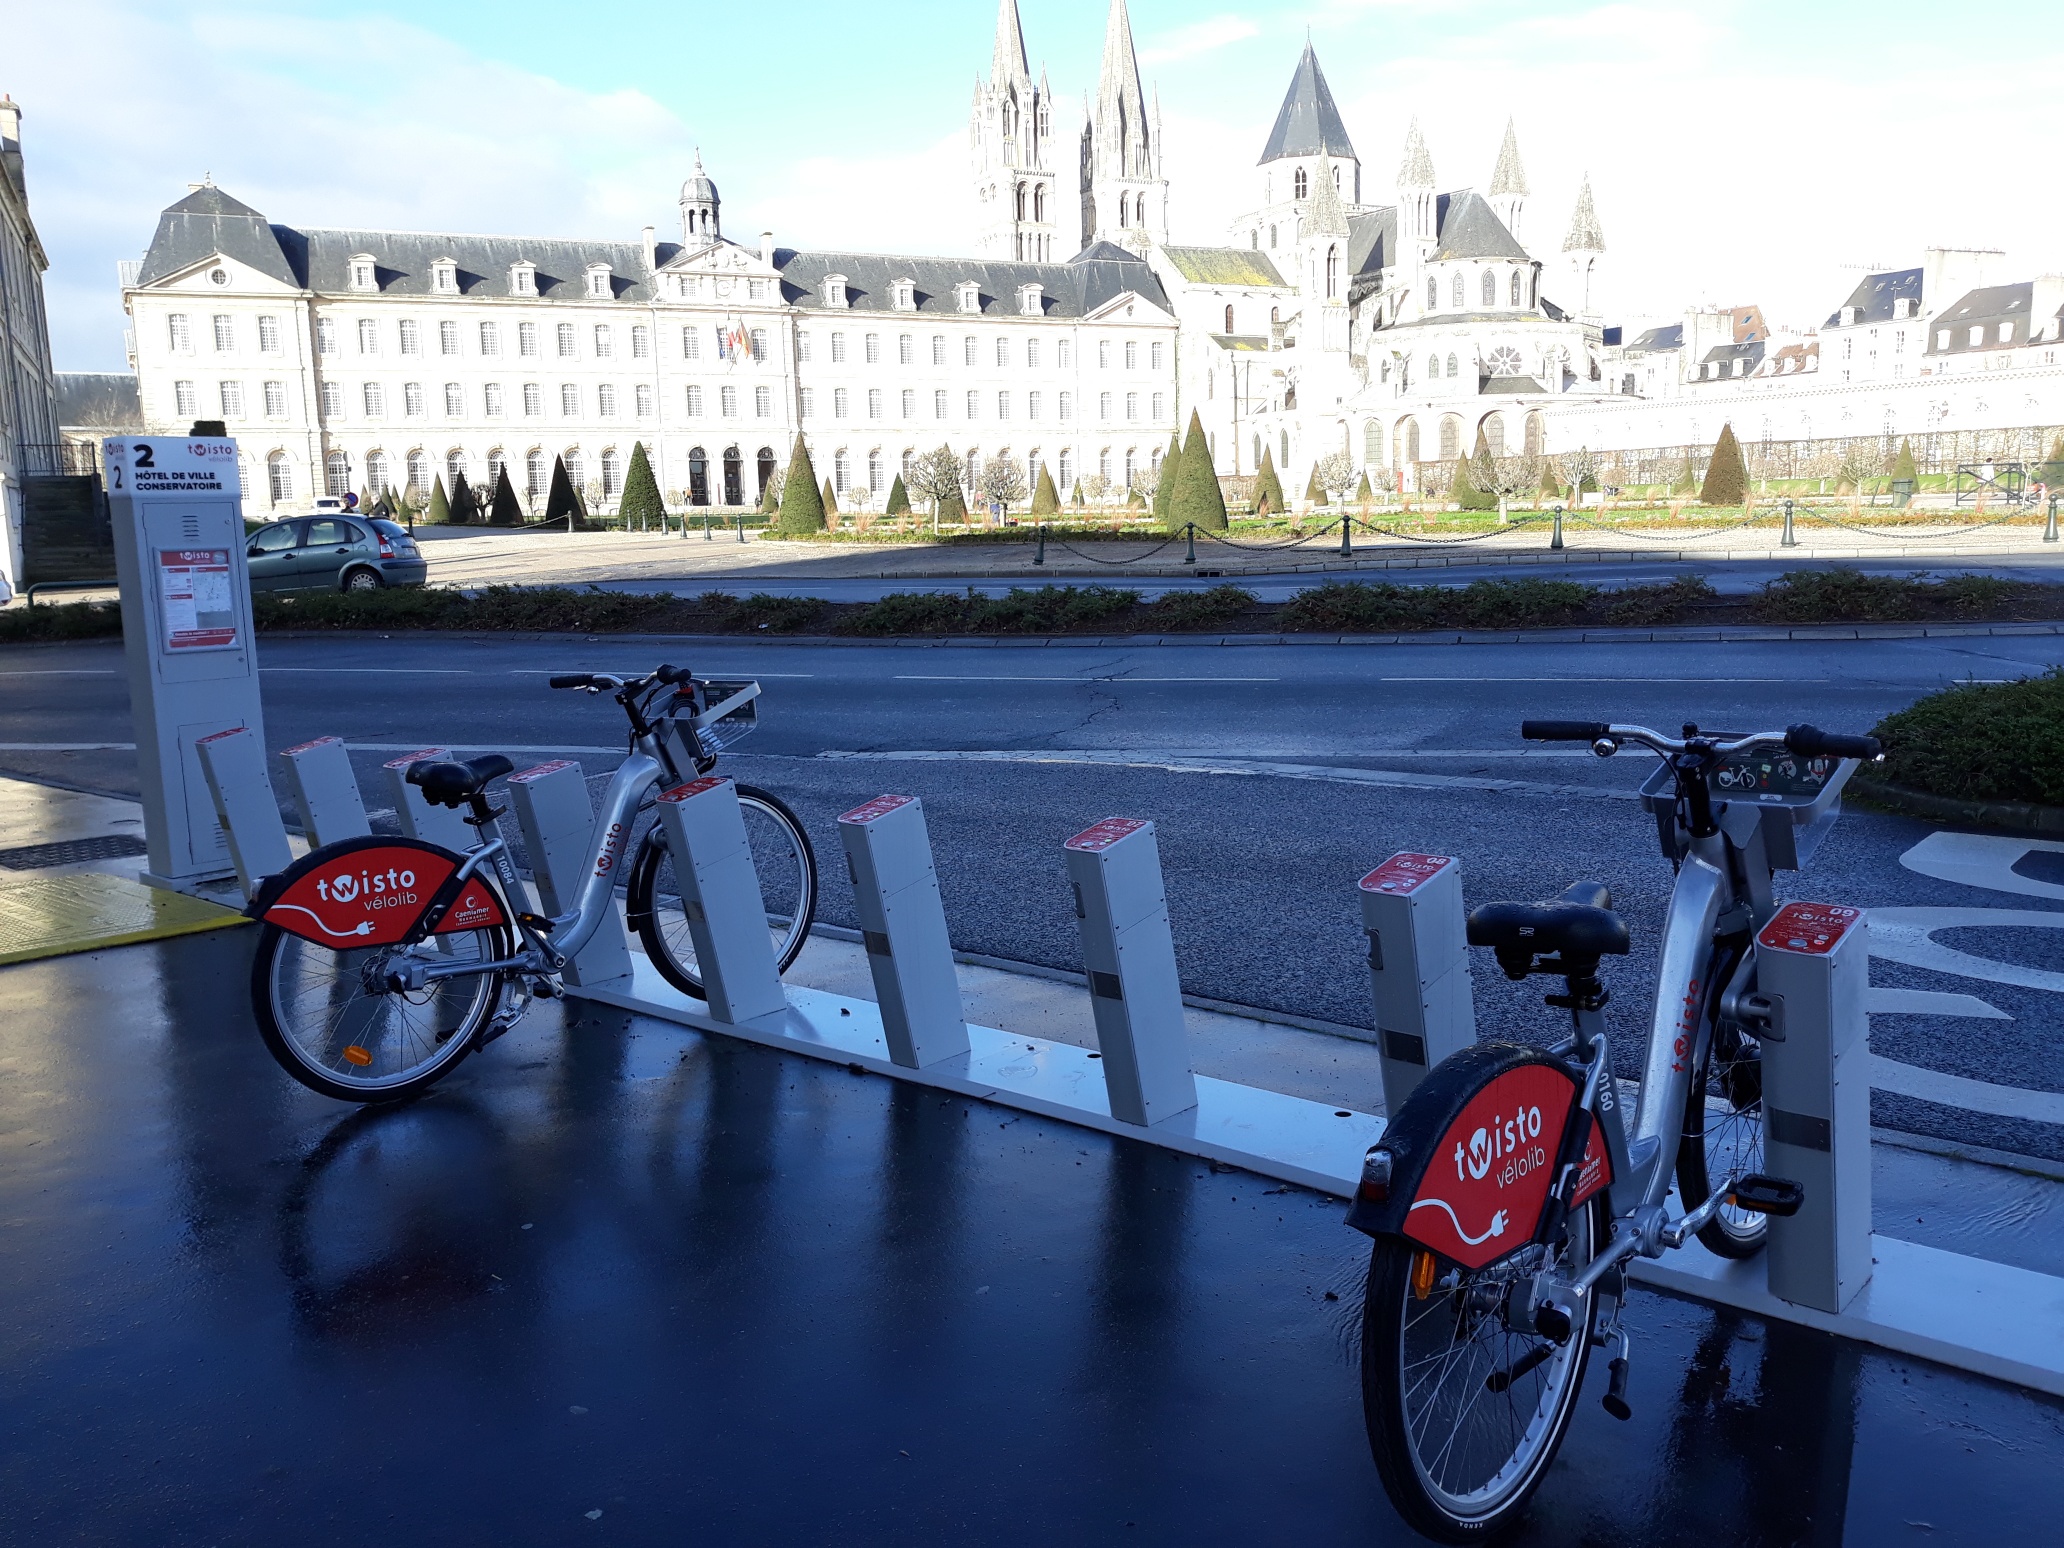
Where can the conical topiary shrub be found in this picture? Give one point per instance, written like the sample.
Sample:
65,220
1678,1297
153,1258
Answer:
506,510
1472,477
440,508
563,501
1197,497
641,505
1268,488
770,495
1164,491
1363,493
899,499
1046,499
1314,492
802,503
1727,475
1903,466
1464,491
830,498
465,504
1080,502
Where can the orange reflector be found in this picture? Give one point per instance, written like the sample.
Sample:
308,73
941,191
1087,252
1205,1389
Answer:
358,1056
1422,1275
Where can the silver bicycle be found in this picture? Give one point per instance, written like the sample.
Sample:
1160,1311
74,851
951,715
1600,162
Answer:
1509,1193
384,962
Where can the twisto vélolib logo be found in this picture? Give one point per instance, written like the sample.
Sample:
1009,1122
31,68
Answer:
364,897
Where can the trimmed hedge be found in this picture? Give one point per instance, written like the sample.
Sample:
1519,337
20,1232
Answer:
1980,742
1851,596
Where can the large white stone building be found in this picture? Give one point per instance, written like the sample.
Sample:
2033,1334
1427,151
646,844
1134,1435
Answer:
28,420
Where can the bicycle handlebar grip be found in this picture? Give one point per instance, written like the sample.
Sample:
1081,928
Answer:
1812,742
669,674
572,680
1563,730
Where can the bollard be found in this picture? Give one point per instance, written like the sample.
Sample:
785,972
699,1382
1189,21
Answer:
1555,542
1418,968
706,528
419,819
1346,541
558,824
1811,965
1788,540
1039,553
741,526
1190,529
1115,868
233,762
325,791
720,894
896,895
2050,526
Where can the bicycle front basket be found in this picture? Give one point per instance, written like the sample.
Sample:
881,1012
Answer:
718,714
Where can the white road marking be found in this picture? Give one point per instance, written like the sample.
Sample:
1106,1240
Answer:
1976,1096
65,672
484,747
1906,935
1007,677
67,747
1981,860
1884,1000
358,671
1602,679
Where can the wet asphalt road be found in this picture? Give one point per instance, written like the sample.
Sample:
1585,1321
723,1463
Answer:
618,1282
1261,864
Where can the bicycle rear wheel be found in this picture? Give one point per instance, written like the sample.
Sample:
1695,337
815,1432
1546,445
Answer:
1464,1414
787,868
1723,1137
330,1024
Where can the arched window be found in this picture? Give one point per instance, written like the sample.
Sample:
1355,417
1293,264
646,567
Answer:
1533,434
1490,288
1039,202
1455,291
765,468
279,477
612,475
418,473
1275,315
1299,184
1124,209
1272,237
1229,319
1257,454
496,462
576,469
454,468
336,473
1494,434
1405,442
1021,201
734,482
1450,438
1332,273
840,471
874,473
1131,465
1283,452
698,477
1433,367
376,473
1432,294
974,470
1518,289
1372,442
535,473
1453,370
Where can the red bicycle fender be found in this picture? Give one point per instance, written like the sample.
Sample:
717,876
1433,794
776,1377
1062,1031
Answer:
371,892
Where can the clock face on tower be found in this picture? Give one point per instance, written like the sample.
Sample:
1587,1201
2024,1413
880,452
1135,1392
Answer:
724,284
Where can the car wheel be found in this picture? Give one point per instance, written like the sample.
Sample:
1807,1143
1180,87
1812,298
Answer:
363,580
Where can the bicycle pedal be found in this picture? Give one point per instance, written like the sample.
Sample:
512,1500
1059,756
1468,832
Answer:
1615,1400
1767,1195
1501,1381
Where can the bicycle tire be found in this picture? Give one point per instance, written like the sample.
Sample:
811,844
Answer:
787,882
1398,1441
1731,1096
286,971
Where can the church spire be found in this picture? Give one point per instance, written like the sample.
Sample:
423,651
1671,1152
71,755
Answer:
1124,197
1585,234
1416,170
1509,185
1009,132
1007,60
1328,215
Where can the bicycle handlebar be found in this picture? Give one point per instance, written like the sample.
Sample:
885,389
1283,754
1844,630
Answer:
572,680
1802,740
1563,730
1812,742
602,681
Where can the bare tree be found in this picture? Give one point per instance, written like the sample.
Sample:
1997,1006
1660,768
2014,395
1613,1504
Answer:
1096,488
1579,468
1003,481
1505,478
934,477
1336,474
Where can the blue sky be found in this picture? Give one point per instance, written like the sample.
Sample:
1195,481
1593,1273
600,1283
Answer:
1739,151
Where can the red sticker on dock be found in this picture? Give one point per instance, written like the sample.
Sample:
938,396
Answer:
1106,833
694,788
1811,929
321,741
417,757
542,770
1406,872
879,807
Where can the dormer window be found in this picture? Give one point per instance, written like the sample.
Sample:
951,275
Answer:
903,295
968,296
444,277
1029,304
599,286
362,272
523,279
835,290
1904,307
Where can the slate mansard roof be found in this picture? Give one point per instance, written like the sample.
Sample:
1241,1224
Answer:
99,400
1094,276
1987,307
1875,293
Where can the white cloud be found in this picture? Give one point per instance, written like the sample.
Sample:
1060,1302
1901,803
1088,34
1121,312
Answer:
1198,38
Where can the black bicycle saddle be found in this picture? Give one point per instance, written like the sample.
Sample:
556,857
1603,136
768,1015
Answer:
448,782
1578,926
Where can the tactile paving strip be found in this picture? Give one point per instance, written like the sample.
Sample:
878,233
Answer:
37,857
50,916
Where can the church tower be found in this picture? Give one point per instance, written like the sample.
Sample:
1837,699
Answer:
1124,195
700,227
1010,134
1417,216
1308,131
1509,185
1581,250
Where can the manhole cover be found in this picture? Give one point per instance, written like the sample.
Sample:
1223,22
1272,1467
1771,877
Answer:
38,857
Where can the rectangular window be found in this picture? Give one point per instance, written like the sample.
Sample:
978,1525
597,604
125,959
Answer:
184,403
807,397
332,399
695,403
1103,405
566,341
526,339
691,343
838,348
1978,335
325,335
1003,352
1154,354
411,337
533,400
641,342
802,348
1103,354
1942,338
491,338
447,338
491,400
938,349
1003,405
605,342
275,400
839,401
412,399
974,405
906,349
180,337
727,398
1031,405
909,403
763,402
1132,405
279,477
374,396
756,289
1131,354
644,400
605,400
967,350
368,336
1067,405
1032,353
1061,353
939,404
2006,333
569,399
232,396
759,345
874,403
268,338
874,349
1157,406
225,333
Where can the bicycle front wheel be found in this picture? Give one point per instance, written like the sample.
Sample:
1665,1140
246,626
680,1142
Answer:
1464,1413
332,1024
1723,1137
787,868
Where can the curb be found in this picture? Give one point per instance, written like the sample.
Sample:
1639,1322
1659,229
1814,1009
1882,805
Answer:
2021,816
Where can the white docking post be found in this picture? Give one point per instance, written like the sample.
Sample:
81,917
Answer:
325,791
234,763
1812,964
896,895
557,820
720,893
420,820
1418,968
1115,868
